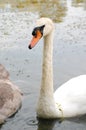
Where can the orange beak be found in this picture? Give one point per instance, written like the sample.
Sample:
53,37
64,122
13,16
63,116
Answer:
35,39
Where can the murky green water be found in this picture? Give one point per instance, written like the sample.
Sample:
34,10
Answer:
16,22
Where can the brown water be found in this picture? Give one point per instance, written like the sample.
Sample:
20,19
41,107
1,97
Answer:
16,23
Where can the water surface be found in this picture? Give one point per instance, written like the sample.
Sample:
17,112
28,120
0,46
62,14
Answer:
16,24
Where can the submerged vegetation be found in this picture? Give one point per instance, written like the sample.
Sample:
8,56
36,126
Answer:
55,9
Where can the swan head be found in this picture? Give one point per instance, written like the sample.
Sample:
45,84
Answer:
44,26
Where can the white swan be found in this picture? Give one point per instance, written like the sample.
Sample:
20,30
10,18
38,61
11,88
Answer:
10,96
69,100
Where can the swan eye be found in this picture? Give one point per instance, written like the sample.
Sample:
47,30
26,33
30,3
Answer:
40,28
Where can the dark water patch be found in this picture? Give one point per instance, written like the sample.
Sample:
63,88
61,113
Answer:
80,119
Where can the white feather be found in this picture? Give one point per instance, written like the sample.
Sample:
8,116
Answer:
69,100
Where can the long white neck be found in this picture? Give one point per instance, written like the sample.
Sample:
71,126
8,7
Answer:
46,103
47,68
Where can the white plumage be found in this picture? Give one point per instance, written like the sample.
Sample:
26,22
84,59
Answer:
72,96
69,100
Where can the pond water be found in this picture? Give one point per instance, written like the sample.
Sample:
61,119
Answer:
16,23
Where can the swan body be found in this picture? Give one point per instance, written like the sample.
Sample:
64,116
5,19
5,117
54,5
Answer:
10,96
69,100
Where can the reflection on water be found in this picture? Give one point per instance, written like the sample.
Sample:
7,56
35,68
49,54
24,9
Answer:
54,9
46,124
43,124
78,3
54,124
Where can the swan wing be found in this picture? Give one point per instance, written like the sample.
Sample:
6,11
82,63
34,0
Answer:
72,96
